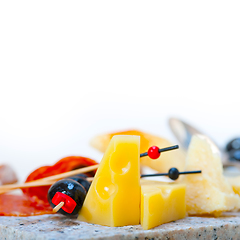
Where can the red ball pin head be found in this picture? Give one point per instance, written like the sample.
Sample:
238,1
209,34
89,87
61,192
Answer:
153,152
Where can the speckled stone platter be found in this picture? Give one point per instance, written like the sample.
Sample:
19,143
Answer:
50,227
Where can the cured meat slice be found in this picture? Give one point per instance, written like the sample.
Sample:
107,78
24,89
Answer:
22,206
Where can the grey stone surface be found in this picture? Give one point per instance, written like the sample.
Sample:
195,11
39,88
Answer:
50,227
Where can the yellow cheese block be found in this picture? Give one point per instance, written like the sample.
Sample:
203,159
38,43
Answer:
161,203
208,192
167,160
114,196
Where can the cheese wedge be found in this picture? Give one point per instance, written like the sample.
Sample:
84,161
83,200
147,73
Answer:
167,160
208,192
114,196
161,203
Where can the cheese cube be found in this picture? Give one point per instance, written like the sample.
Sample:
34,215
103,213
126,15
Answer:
208,192
114,196
161,203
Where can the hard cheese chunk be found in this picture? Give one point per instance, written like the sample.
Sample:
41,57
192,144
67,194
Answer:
114,196
235,183
167,160
208,192
161,203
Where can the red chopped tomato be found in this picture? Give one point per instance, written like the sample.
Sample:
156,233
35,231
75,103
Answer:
63,165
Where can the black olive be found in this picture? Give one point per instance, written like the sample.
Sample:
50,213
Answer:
83,181
233,145
81,175
71,188
234,155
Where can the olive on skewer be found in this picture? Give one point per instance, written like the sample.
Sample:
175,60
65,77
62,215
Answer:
68,195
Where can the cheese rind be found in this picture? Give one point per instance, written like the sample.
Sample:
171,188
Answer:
161,203
208,192
114,196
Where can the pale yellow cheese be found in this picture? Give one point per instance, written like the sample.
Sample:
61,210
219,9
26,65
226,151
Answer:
114,196
167,160
161,203
235,183
208,192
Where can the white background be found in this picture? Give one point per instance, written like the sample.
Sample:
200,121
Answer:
70,70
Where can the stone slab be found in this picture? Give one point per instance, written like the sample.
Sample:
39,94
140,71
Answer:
51,227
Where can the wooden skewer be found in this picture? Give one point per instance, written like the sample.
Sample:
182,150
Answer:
69,174
56,208
27,184
7,188
48,180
